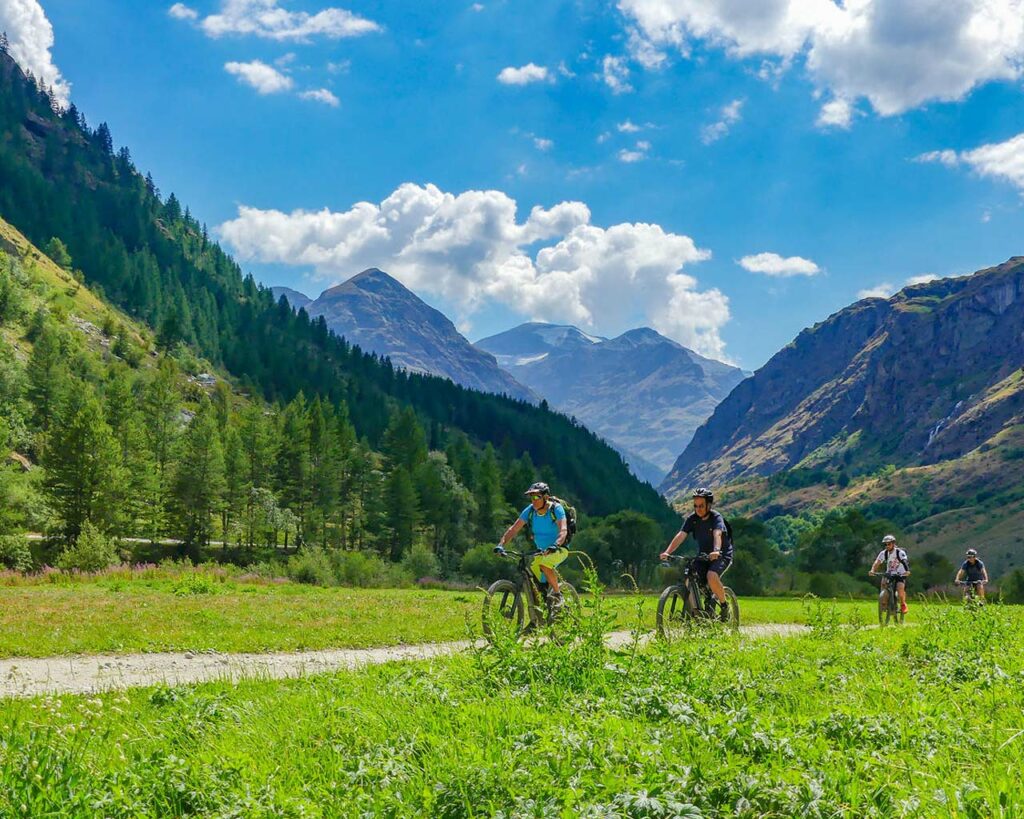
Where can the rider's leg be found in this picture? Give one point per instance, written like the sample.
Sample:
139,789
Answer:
715,583
901,590
980,589
552,577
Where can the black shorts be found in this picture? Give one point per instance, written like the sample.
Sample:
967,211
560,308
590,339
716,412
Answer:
898,580
717,566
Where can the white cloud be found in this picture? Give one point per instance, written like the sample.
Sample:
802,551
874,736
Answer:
267,19
542,144
179,11
837,113
524,75
477,7
615,73
898,54
922,279
628,127
471,250
565,71
321,95
999,160
637,154
264,78
879,291
730,115
30,37
772,264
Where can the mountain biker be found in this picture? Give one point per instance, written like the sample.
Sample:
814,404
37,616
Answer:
548,530
709,530
974,571
895,561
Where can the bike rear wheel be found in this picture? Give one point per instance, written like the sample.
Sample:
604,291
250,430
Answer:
503,610
673,613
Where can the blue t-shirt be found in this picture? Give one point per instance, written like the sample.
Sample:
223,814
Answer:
545,529
973,572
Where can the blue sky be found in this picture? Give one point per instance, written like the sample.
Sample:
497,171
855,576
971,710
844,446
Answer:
862,146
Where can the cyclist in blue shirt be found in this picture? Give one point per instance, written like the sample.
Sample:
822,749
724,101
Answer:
547,530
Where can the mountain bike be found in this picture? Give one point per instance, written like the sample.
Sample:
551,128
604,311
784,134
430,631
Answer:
692,600
520,606
889,600
971,590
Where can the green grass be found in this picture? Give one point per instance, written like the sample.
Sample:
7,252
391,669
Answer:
160,611
923,722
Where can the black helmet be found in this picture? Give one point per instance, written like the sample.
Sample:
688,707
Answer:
539,488
704,492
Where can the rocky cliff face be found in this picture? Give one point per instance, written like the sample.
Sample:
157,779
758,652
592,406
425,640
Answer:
920,378
380,314
642,392
295,298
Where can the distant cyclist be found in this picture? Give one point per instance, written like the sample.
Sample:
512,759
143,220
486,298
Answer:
547,531
896,566
973,571
709,530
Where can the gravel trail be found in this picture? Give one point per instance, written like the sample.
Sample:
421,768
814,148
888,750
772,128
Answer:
82,674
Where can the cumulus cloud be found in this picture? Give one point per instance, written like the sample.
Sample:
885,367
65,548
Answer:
30,37
636,154
264,78
922,279
879,291
898,54
470,249
999,160
179,11
615,74
730,115
542,144
837,113
267,19
524,75
772,264
321,95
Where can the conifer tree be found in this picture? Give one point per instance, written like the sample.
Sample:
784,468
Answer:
83,474
401,511
489,497
199,482
160,410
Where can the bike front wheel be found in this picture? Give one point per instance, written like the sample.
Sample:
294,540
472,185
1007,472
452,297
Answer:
503,611
733,614
673,613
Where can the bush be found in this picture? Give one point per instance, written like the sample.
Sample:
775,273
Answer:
1011,587
92,552
482,565
312,566
367,569
421,562
15,553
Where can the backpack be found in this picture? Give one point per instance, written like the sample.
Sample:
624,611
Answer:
570,519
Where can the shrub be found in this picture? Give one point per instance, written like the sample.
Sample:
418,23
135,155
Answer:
366,570
15,553
482,565
1011,587
421,562
92,552
312,566
195,583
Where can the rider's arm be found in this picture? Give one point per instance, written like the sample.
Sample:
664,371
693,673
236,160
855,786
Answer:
512,531
717,549
562,532
959,575
676,542
984,575
876,565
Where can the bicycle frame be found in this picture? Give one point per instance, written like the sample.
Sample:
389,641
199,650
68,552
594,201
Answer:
892,605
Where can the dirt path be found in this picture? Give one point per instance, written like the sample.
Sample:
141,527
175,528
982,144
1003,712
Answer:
81,674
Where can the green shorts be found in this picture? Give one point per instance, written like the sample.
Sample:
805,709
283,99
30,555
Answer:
552,560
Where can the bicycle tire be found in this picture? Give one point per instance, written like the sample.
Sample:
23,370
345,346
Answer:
503,604
673,612
734,609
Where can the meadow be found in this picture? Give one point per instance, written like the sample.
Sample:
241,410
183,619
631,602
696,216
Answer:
844,721
174,608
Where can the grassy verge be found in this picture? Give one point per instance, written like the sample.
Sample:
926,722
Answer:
158,610
922,722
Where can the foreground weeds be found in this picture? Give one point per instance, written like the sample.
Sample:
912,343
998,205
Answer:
842,722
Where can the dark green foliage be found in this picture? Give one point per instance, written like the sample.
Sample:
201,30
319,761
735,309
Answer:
846,541
1011,587
932,569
